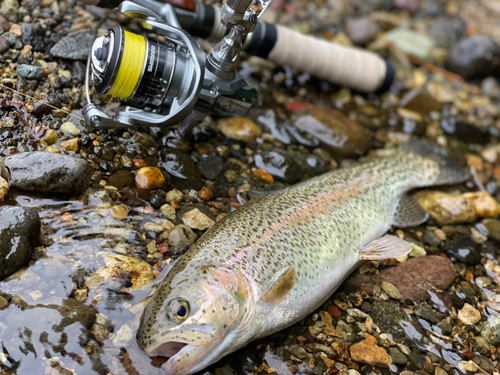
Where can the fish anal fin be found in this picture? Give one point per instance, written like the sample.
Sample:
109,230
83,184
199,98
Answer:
280,289
384,248
408,213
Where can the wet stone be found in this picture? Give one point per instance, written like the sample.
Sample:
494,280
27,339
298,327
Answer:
339,134
70,129
44,172
168,211
75,46
4,45
445,327
432,272
19,234
281,166
30,71
197,220
149,178
475,57
424,312
210,166
417,358
182,169
3,303
463,250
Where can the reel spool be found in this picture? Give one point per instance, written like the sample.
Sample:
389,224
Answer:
139,70
158,81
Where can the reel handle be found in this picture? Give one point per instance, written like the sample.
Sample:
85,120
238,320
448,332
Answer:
358,69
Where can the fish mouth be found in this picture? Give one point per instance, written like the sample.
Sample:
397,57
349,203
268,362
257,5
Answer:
168,349
174,351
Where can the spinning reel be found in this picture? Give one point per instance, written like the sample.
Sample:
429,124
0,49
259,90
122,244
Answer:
165,83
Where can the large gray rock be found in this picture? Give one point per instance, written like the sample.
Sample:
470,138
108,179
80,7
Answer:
75,46
475,57
19,234
44,172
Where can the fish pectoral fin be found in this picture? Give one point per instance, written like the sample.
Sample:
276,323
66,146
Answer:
408,213
384,248
280,289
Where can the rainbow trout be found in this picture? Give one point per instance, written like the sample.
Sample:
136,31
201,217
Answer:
278,258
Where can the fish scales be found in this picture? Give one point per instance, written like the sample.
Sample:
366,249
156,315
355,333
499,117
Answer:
309,235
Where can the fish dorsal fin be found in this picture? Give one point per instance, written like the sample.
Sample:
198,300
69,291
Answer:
283,285
384,248
408,213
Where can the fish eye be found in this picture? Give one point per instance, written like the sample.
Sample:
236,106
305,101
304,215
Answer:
177,310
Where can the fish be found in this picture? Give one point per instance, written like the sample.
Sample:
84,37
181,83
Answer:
279,257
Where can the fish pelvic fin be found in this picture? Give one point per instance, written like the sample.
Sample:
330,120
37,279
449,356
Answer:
449,172
384,248
408,213
283,285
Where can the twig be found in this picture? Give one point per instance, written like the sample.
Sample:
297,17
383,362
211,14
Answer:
430,67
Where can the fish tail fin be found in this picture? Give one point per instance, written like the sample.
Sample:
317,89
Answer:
448,172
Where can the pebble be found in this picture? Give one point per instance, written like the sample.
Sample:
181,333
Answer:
4,45
491,87
119,212
168,211
197,220
205,194
174,196
446,208
4,189
99,332
239,128
418,251
44,172
362,31
397,357
431,238
158,228
124,336
122,179
70,129
70,145
432,272
3,303
50,136
30,71
490,330
367,351
74,46
19,234
181,235
412,42
468,366
149,178
463,250
475,57
446,32
492,227
211,166
391,290
264,176
469,315
123,267
340,135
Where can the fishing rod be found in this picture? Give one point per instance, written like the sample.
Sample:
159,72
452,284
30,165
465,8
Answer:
175,82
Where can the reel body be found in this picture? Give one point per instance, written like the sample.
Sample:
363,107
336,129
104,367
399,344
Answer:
161,83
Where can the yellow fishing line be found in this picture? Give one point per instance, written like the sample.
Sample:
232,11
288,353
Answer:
130,69
110,101
37,100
